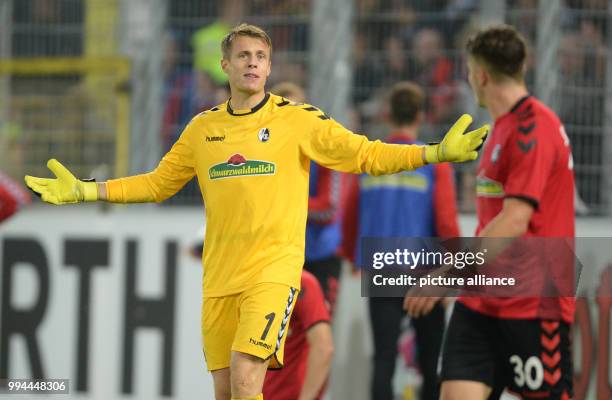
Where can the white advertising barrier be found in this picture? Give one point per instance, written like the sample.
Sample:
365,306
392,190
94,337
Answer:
110,301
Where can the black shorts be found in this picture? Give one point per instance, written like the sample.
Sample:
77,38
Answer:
530,357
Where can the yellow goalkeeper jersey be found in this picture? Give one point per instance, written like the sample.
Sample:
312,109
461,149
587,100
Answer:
252,168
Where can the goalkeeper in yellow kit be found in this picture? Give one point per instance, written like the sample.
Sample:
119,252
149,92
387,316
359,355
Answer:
251,156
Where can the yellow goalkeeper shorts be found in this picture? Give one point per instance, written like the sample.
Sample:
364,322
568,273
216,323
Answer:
254,322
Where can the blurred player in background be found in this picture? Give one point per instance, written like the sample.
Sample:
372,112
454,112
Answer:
525,188
12,197
418,203
251,156
326,195
308,350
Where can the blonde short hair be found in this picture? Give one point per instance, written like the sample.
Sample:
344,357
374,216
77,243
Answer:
244,30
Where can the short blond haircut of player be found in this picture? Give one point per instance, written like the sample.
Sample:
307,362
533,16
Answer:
247,30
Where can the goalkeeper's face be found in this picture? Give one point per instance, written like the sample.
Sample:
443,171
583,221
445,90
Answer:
248,66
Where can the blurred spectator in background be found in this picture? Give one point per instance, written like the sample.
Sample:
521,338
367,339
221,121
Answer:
417,203
13,196
366,7
208,84
178,81
292,36
523,14
396,60
287,69
581,104
433,70
594,46
47,28
324,223
190,91
308,349
289,91
368,72
205,41
186,93
596,5
457,14
577,103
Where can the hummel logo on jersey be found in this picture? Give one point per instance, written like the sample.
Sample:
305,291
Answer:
260,343
526,147
264,135
238,165
215,138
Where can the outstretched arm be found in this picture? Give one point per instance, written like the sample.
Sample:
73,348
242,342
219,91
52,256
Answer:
155,186
173,172
333,146
65,188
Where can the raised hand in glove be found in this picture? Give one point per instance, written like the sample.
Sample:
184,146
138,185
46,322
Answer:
457,146
64,189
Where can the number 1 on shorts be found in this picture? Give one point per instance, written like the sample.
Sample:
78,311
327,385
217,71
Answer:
270,318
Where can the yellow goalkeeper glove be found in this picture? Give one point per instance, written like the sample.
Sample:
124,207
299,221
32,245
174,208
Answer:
64,189
457,146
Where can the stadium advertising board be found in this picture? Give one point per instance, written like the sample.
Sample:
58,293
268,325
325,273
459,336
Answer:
109,301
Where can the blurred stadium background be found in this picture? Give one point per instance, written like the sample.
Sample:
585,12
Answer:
106,87
126,76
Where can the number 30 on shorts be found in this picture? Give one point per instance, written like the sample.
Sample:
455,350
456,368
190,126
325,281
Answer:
530,373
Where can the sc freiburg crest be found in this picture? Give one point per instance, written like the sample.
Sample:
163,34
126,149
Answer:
264,135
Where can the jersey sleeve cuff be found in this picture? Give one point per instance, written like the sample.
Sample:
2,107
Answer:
527,199
114,191
415,157
315,323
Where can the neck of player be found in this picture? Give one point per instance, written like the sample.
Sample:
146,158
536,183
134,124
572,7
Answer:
503,98
245,100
